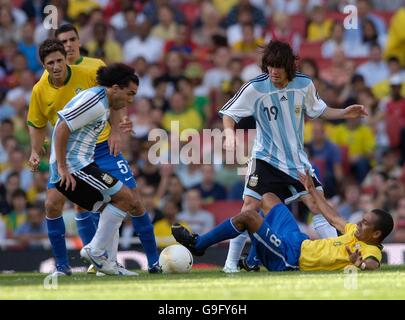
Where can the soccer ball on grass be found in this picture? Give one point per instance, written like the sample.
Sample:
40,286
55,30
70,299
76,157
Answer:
176,259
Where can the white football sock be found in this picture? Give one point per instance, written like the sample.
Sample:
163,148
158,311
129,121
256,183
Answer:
236,246
112,248
322,226
110,221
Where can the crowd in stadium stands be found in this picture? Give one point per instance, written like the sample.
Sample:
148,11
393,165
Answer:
191,57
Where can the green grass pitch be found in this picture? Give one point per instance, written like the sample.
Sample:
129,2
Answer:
387,283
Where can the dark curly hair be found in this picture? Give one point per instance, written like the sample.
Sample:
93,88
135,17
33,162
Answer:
279,54
116,73
49,46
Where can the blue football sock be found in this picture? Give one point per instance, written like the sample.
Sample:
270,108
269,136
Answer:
143,226
96,218
85,226
56,234
225,230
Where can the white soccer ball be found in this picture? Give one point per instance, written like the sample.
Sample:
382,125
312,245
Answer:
176,259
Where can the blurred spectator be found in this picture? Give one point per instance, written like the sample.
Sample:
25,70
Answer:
147,170
199,220
248,45
6,132
376,69
189,174
145,88
351,50
234,31
396,37
340,71
360,143
102,47
128,28
399,231
319,27
34,229
209,189
37,191
163,227
389,195
3,230
148,195
364,11
245,6
170,189
159,100
394,113
18,214
350,204
18,67
23,91
166,28
389,168
86,32
9,30
207,26
195,98
327,157
151,10
281,30
181,42
42,30
29,49
179,117
370,35
214,77
382,89
16,164
141,120
143,44
174,69
34,9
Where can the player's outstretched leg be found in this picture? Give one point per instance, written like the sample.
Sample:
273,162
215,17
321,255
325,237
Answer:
197,244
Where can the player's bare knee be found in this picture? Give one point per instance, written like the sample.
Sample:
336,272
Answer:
53,208
251,204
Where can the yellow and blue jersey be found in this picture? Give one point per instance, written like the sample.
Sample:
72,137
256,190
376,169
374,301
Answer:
331,254
47,100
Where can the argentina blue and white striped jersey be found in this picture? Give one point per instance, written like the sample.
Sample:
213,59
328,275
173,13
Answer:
85,115
279,115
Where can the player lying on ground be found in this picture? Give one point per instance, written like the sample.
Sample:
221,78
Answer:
280,245
73,169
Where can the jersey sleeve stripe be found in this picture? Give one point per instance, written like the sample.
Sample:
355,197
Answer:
72,117
73,112
237,95
34,126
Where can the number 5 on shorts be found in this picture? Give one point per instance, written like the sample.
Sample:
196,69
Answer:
122,166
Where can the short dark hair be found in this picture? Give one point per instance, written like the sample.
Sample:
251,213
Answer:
279,54
116,73
18,193
384,223
66,28
49,46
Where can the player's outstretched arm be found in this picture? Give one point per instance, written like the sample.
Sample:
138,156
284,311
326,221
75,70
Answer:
351,112
328,212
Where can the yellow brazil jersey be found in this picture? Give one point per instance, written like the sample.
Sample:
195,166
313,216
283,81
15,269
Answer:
331,254
47,100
